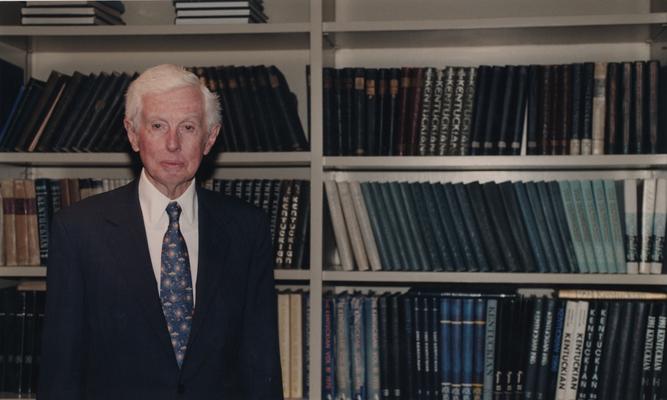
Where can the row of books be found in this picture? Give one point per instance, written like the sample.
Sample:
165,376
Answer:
220,12
29,205
259,112
287,202
583,108
84,113
21,321
72,13
293,331
489,346
578,226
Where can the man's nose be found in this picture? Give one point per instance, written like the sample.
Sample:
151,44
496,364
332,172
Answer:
173,140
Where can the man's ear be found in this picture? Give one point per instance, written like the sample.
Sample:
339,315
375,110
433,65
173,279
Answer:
210,140
132,134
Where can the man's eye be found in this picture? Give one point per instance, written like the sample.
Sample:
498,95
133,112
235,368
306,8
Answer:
156,125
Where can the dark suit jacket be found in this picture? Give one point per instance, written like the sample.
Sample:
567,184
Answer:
105,336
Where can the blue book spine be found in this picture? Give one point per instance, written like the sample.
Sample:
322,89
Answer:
381,238
471,226
11,116
358,348
445,251
553,256
328,361
489,348
583,198
615,225
372,340
457,348
602,212
558,325
382,190
426,250
460,250
573,225
479,331
409,241
531,228
468,332
534,350
446,350
343,365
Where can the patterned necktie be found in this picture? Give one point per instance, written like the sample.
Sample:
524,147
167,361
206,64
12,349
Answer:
176,284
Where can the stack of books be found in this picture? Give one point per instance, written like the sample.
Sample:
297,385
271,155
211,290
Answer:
220,12
72,13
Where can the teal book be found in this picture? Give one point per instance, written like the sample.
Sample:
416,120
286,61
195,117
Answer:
553,193
605,229
594,226
394,192
570,212
542,206
451,204
458,249
416,229
432,216
471,226
536,232
487,232
385,198
582,221
377,225
631,214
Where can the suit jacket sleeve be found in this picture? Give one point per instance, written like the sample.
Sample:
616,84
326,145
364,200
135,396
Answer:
260,349
63,341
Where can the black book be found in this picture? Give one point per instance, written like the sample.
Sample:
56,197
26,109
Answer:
566,261
396,356
230,127
338,109
547,342
638,107
534,352
11,81
653,87
427,231
384,348
501,225
637,330
645,381
507,110
42,109
528,193
611,352
478,129
452,217
88,112
623,358
67,103
492,124
330,147
486,230
514,222
383,236
419,327
576,109
396,231
301,230
257,137
21,115
382,102
426,256
44,214
371,133
261,112
471,226
359,113
347,107
533,105
392,116
546,109
407,354
518,353
443,220
416,260
111,116
85,99
612,104
587,117
245,142
658,387
104,109
388,226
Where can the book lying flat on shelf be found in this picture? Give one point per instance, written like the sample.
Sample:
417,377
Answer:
85,20
93,9
218,20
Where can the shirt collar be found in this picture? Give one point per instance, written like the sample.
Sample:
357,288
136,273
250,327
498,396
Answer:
154,203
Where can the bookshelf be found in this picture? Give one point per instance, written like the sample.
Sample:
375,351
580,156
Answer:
349,33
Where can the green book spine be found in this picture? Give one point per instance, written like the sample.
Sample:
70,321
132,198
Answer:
605,229
582,221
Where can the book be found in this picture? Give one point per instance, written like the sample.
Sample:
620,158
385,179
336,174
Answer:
296,358
352,226
631,213
284,340
599,107
648,210
659,221
340,229
97,19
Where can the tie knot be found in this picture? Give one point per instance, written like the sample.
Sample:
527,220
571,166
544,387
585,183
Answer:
174,212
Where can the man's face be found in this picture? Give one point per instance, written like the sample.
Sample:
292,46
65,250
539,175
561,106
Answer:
172,138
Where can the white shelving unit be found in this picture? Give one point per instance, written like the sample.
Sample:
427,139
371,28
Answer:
352,33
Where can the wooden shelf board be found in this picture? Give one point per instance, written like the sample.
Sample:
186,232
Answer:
493,277
483,163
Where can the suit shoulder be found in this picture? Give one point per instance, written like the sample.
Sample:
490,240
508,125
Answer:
93,207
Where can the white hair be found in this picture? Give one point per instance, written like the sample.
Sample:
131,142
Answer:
164,78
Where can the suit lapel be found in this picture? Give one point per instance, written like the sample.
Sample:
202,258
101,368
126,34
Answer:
127,236
213,246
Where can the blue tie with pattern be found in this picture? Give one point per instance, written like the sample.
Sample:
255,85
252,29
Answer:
176,284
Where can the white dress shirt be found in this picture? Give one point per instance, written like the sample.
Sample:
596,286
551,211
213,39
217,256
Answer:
153,208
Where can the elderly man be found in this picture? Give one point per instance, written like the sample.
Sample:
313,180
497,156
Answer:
161,289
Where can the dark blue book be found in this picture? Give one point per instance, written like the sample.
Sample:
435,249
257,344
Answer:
415,258
377,224
11,84
451,204
479,331
407,350
12,112
441,243
427,346
519,236
395,355
434,325
471,225
554,257
358,347
372,340
530,386
633,387
457,349
544,263
658,380
44,214
501,227
343,371
419,327
559,324
554,193
383,333
565,264
544,363
468,349
425,253
396,228
424,223
491,333
447,223
611,351
446,349
487,234
649,349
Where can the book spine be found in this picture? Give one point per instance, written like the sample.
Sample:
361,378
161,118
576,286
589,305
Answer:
586,235
338,223
468,111
436,112
599,106
382,124
532,372
446,115
638,107
659,220
489,147
507,99
587,354
365,226
565,110
612,351
559,325
472,228
452,211
434,379
611,121
588,92
648,351
485,227
566,350
593,223
357,348
428,100
533,109
562,225
328,333
359,135
296,350
457,348
648,209
533,201
546,108
602,210
419,356
531,227
631,226
653,104
426,255
416,89
480,107
467,339
444,220
425,226
489,348
636,347
455,143
384,332
615,224
385,248
431,218
547,332
446,350
561,255
372,109
657,381
408,353
384,196
623,358
352,225
372,340
284,340
43,218
626,107
393,117
500,224
578,347
577,109
343,348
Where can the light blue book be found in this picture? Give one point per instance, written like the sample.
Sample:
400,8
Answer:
584,225
615,225
594,226
605,230
659,219
631,229
648,210
573,225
